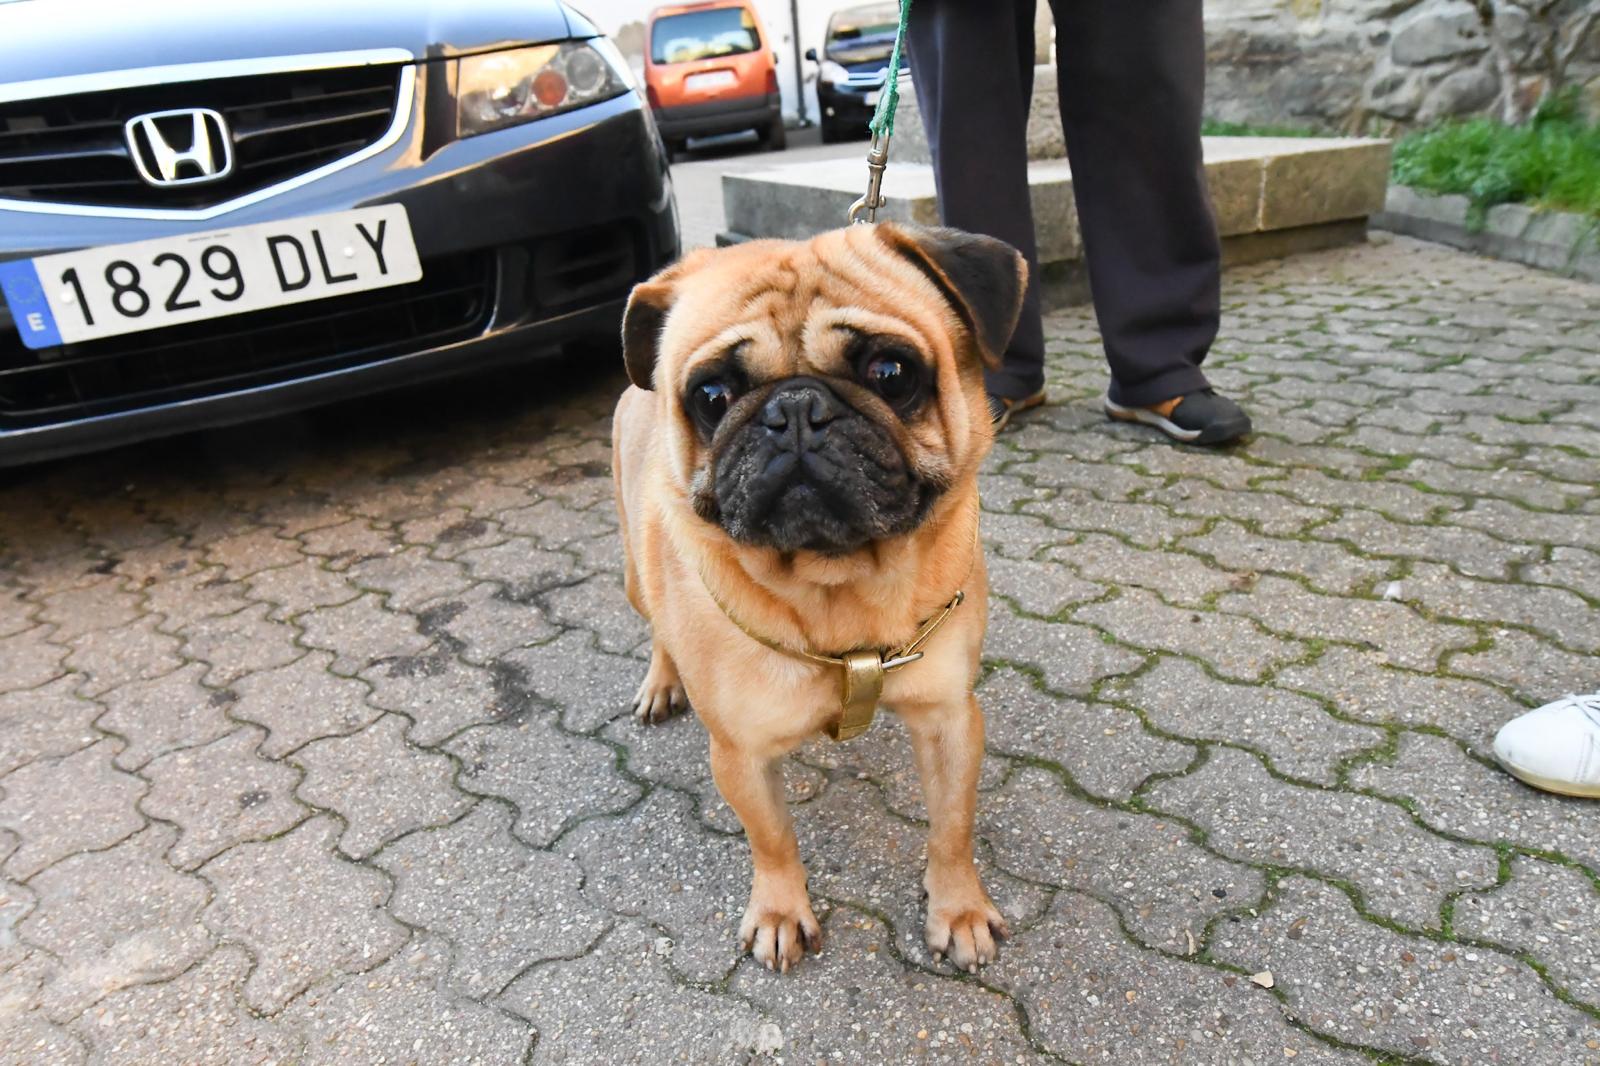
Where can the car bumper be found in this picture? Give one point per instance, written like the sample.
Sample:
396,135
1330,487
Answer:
529,237
845,106
719,116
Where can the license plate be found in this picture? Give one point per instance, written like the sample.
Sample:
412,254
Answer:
126,288
711,79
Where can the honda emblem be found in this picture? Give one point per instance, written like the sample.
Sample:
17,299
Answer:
183,147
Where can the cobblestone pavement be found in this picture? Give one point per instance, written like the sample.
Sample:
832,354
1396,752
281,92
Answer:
314,741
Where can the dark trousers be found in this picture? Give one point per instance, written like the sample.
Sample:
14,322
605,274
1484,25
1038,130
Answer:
1132,77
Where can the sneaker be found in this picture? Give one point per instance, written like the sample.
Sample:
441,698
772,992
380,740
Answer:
1555,748
1195,418
1001,408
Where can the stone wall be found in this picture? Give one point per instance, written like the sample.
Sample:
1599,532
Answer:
1380,65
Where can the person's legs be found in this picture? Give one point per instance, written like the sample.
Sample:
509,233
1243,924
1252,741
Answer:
1132,77
972,64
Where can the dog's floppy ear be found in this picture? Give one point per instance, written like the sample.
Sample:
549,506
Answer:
646,316
982,277
641,329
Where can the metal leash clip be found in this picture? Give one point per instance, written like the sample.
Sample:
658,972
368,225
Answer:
877,160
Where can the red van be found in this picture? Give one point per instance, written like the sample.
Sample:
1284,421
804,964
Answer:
709,70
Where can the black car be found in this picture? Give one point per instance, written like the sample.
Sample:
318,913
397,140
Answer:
853,68
211,212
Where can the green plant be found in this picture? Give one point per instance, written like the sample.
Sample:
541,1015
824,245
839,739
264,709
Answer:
1552,161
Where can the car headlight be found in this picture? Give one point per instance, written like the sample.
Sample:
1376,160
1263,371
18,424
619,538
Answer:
499,89
831,73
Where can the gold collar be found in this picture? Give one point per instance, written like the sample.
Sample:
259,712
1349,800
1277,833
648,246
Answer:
864,669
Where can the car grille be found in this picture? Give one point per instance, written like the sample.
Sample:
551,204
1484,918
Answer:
72,149
452,302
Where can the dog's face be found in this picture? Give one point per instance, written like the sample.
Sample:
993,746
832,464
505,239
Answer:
824,394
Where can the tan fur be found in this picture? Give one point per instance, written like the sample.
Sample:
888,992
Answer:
784,301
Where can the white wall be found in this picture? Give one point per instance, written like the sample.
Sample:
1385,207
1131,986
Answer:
775,16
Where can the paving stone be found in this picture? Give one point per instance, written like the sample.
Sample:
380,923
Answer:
1070,657
251,551
1233,646
196,1019
362,632
1269,512
439,693
1230,472
382,787
1403,636
525,569
1018,536
192,597
106,604
1328,567
347,543
1457,795
138,651
1362,685
1176,576
1404,872
1521,525
1364,984
1547,912
1040,588
599,605
16,612
657,864
553,524
622,1004
47,721
1092,996
522,761
856,1003
505,907
240,644
301,702
1573,568
300,587
324,920
1535,670
115,918
28,659
1532,489
1559,615
1300,737
400,1013
1108,481
1104,748
59,807
166,714
221,794
1163,884
587,685
1143,524
1468,550
409,578
484,623
454,530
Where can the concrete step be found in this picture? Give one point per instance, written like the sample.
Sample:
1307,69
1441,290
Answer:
1272,196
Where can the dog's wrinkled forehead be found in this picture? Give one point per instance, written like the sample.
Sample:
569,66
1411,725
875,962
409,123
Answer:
791,304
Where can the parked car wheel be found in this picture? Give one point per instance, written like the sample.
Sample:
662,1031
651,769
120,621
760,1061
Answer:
775,137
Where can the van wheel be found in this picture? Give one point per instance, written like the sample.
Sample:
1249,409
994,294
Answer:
830,133
775,137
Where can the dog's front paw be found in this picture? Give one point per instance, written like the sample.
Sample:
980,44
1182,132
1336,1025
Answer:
778,926
661,694
963,925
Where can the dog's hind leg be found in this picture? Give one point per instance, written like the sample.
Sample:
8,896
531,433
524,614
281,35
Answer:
962,921
661,694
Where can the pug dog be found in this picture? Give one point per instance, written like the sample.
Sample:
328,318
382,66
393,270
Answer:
796,469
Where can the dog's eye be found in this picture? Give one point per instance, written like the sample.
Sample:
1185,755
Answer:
710,400
894,378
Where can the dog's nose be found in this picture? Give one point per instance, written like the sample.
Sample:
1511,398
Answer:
801,404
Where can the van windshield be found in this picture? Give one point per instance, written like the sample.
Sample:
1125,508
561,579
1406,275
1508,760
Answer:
722,31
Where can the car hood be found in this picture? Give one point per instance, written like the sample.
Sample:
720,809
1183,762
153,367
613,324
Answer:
60,38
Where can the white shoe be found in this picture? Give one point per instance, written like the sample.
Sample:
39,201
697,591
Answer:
1557,747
